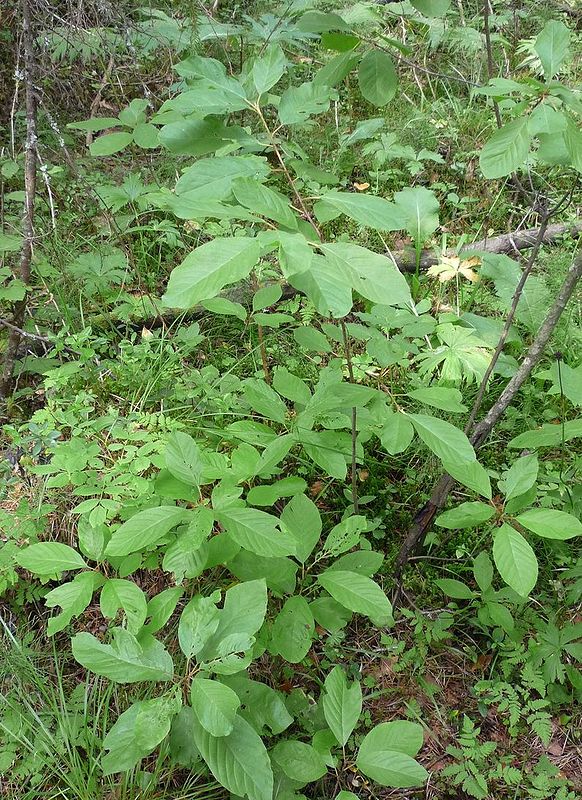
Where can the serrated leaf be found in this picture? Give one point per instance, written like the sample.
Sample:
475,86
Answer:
358,593
239,761
507,150
342,704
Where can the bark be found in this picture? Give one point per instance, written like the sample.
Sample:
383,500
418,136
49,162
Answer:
30,158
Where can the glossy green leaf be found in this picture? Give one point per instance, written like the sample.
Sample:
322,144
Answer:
257,531
366,209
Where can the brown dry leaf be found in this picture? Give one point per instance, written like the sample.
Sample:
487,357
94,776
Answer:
451,267
361,187
316,488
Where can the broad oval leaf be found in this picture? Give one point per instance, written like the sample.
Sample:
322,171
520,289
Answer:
209,268
507,150
198,621
215,705
370,274
550,523
117,593
358,593
293,629
299,761
552,45
257,531
367,209
521,476
466,515
431,8
386,755
515,560
238,761
49,558
110,143
377,77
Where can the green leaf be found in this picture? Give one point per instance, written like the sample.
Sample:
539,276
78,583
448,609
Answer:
161,607
211,178
126,660
116,594
440,397
328,290
263,399
358,593
573,143
299,761
396,433
183,458
73,598
94,124
445,440
421,210
245,606
290,386
278,573
264,201
364,562
262,706
146,135
298,103
466,515
198,622
137,732
215,705
330,614
548,435
257,531
483,571
370,274
312,339
222,305
377,77
342,704
431,8
550,524
181,745
507,150
520,477
239,761
144,529
515,560
268,68
49,558
552,46
302,521
386,755
209,268
110,143
293,630
470,474
345,535
10,243
455,589
366,209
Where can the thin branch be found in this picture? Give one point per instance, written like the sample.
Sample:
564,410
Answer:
354,472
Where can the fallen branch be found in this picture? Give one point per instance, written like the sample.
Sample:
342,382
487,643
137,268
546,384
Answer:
425,517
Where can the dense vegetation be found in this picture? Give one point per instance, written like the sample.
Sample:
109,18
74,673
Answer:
292,367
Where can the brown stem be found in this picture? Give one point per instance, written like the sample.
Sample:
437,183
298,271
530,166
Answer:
263,351
490,63
424,518
23,272
508,322
354,469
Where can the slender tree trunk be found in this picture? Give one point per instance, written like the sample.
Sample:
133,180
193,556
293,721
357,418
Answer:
30,158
